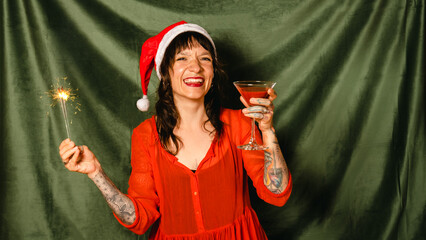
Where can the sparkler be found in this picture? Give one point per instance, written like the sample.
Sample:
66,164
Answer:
63,97
61,94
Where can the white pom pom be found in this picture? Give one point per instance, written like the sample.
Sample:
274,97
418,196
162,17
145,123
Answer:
143,103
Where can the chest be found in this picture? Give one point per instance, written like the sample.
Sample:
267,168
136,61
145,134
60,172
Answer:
194,149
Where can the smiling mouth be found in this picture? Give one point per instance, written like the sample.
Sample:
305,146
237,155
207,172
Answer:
194,82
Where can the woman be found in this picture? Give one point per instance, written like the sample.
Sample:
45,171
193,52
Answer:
188,178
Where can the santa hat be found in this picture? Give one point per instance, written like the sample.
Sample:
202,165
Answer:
153,53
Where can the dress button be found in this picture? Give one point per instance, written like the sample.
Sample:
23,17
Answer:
197,212
195,193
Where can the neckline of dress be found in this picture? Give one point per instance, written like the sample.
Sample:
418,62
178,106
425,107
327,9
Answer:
210,152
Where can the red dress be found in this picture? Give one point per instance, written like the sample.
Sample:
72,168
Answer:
213,202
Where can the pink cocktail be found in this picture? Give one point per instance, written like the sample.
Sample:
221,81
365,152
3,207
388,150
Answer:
253,89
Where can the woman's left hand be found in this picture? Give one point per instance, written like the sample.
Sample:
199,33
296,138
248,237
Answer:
262,110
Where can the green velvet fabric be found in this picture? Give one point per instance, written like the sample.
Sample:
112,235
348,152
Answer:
350,112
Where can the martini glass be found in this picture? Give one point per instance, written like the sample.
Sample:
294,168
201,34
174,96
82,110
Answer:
253,89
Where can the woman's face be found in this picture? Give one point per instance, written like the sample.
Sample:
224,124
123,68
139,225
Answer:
192,73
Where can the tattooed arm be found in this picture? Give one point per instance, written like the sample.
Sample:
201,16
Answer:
276,174
120,204
81,159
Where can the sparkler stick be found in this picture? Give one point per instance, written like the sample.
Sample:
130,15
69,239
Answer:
63,96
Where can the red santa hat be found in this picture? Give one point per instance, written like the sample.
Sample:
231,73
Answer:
153,51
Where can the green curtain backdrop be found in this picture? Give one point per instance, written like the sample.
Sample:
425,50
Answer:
350,112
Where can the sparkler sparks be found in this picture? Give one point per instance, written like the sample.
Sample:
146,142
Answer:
62,93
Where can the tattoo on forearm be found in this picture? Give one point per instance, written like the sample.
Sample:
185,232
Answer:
275,169
121,205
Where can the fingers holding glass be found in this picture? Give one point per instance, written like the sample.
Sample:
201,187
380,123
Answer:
263,115
258,112
266,102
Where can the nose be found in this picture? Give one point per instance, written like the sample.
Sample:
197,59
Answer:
195,66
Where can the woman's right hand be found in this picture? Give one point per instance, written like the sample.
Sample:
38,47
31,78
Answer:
79,158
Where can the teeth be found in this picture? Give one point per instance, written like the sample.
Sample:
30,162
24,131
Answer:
192,80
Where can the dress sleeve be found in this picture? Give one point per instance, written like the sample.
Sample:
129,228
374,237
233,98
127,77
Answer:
141,187
254,165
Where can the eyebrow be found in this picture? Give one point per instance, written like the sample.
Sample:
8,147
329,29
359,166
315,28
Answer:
186,54
205,53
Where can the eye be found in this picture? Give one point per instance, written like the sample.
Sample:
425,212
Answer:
206,59
180,58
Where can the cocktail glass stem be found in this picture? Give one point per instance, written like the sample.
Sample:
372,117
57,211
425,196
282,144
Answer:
252,138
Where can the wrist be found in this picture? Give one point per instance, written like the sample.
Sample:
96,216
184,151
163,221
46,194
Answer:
96,171
268,133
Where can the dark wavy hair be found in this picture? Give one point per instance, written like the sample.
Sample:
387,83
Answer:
167,114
